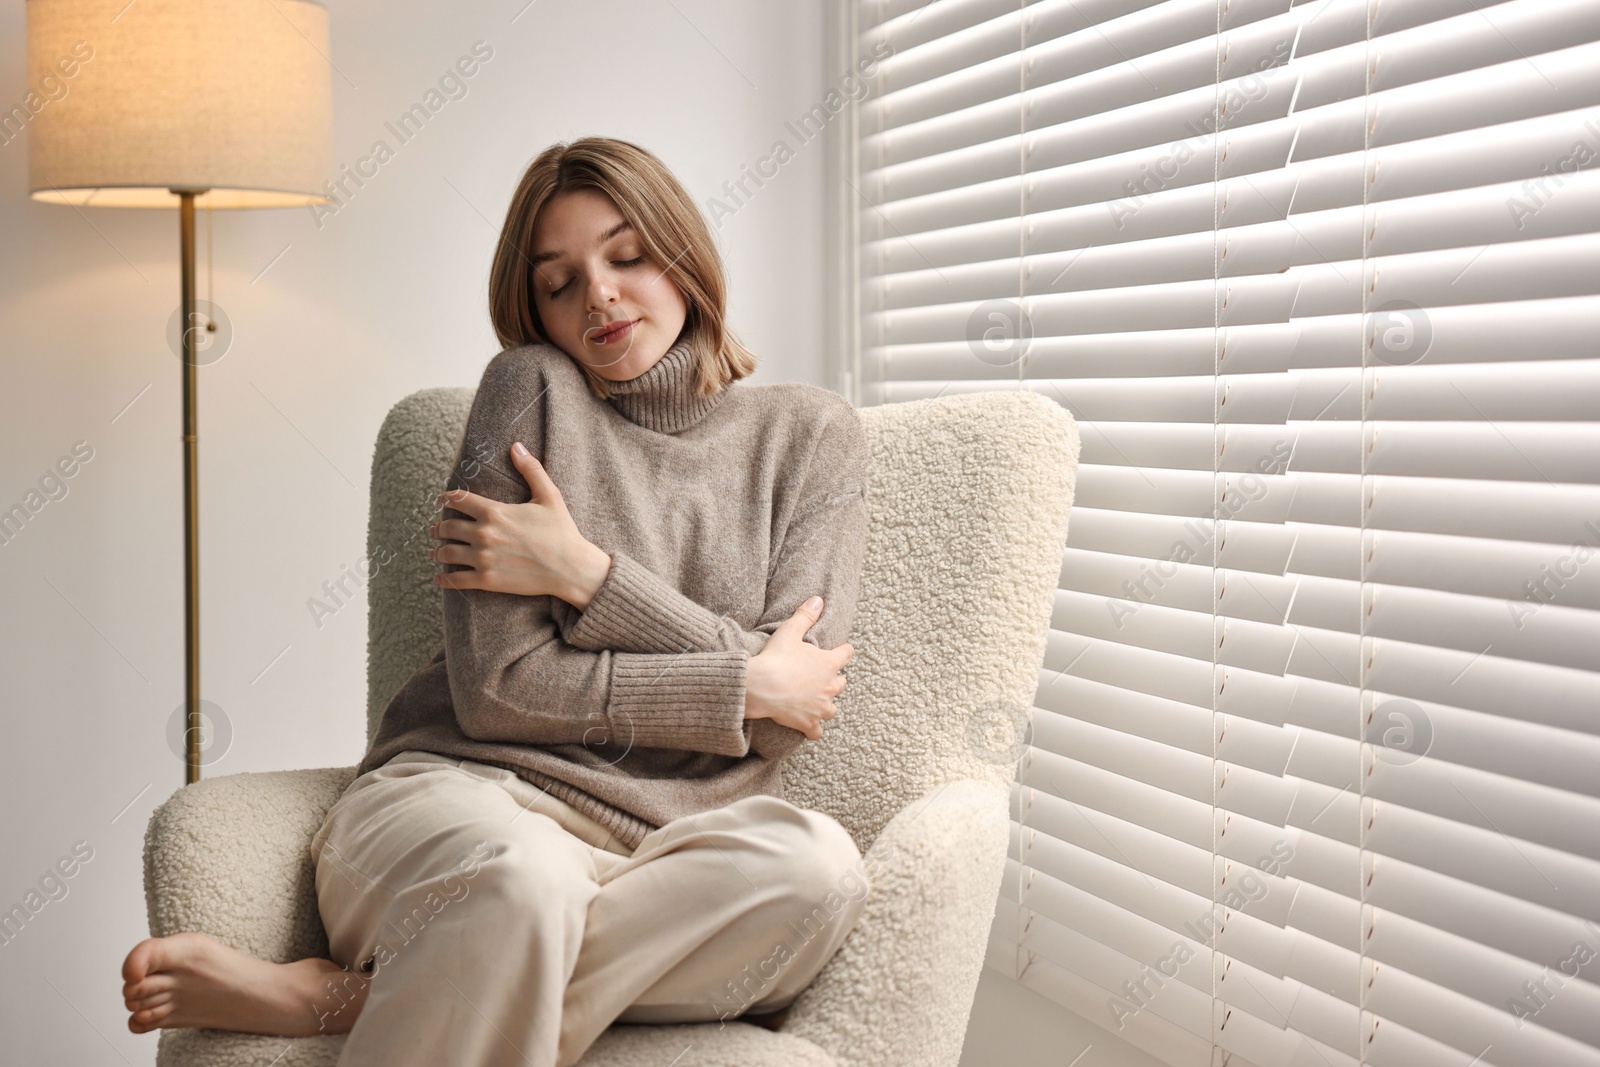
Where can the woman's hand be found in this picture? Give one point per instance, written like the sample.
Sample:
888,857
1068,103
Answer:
792,681
531,549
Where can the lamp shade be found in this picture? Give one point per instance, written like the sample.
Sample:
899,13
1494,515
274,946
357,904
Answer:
131,100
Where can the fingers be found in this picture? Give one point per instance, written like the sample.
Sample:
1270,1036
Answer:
805,616
463,555
454,530
462,500
828,711
468,579
795,626
533,472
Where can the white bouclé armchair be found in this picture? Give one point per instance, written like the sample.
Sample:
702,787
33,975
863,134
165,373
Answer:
968,502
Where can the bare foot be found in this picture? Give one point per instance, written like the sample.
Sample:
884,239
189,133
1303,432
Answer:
191,979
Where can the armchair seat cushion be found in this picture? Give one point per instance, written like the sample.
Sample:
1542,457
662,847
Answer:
687,1045
231,857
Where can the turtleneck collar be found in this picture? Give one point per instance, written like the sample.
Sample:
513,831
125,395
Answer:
663,398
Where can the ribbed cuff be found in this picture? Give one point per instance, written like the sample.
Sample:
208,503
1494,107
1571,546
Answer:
636,610
691,700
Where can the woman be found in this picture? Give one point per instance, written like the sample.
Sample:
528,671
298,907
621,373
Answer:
573,815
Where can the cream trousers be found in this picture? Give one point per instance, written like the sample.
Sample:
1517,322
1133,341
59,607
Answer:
498,925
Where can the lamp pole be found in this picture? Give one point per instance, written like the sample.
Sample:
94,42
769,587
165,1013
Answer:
191,493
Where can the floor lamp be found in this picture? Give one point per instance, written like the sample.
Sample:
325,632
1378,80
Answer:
174,103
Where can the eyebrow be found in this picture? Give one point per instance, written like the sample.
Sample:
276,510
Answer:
544,257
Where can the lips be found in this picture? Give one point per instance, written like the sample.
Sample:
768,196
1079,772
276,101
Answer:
615,332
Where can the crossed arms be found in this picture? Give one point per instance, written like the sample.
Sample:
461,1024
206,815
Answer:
643,664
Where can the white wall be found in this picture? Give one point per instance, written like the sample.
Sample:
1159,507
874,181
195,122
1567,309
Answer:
1012,1026
387,297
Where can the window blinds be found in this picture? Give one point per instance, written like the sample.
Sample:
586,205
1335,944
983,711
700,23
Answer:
1313,776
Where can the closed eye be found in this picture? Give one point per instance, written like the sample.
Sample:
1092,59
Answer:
621,263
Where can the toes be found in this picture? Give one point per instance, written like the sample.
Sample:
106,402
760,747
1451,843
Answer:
160,982
155,954
137,963
141,1022
146,1003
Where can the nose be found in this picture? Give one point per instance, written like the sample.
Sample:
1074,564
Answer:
602,291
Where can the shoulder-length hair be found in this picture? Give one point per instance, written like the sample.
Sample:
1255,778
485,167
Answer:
669,226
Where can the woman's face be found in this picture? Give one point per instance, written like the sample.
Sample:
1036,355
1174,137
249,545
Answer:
591,275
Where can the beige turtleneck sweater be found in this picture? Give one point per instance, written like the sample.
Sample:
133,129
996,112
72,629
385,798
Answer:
721,515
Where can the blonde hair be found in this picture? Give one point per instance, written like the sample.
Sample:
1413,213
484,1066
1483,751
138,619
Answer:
669,226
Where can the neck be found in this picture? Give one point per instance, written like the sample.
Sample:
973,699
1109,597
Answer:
663,398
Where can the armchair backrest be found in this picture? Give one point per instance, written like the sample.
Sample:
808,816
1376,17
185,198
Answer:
968,505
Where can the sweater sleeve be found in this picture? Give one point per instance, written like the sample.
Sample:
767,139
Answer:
821,552
513,678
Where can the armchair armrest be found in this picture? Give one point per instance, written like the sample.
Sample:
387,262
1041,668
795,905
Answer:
899,991
231,857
